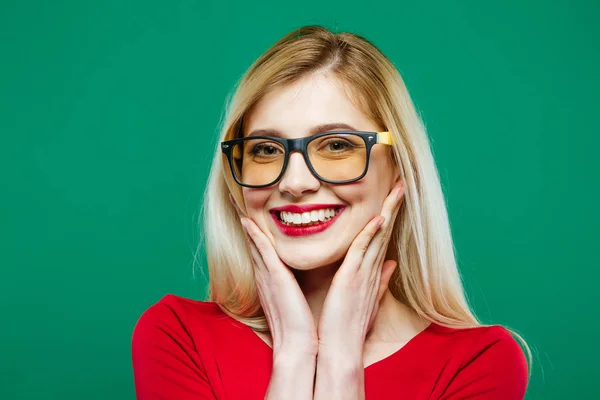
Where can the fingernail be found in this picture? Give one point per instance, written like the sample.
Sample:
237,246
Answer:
244,224
381,221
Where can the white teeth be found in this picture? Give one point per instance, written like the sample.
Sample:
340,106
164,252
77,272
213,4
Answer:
314,216
307,218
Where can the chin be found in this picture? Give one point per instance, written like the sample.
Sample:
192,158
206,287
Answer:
301,260
303,265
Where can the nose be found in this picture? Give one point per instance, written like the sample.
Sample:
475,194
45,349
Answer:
297,178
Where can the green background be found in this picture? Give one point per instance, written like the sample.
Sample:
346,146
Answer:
109,114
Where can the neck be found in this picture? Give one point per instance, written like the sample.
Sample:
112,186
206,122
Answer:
393,318
315,284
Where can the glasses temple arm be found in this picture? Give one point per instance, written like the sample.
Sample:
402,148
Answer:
384,138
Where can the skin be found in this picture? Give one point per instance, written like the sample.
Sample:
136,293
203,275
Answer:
325,296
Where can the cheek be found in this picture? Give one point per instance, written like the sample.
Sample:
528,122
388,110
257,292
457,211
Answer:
255,200
363,198
366,196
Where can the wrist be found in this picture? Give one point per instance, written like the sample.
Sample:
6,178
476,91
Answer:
339,376
341,361
292,376
295,347
346,348
294,355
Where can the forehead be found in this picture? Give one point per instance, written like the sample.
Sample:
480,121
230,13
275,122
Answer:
300,108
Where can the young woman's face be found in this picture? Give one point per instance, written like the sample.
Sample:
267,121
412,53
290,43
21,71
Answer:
296,111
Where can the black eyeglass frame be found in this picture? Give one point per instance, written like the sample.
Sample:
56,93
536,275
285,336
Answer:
301,145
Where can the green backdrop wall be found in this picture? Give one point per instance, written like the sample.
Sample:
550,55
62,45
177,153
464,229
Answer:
108,119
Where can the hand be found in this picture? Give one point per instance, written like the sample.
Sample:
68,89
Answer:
359,284
287,312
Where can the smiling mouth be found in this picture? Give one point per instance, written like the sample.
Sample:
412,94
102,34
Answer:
315,217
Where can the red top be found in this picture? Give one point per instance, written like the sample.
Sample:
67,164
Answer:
189,350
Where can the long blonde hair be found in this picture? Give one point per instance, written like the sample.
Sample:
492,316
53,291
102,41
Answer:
426,278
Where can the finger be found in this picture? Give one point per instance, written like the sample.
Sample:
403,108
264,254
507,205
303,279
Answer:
254,252
360,245
391,205
373,255
389,210
262,243
379,252
387,270
383,238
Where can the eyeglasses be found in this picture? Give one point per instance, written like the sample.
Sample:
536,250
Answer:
332,157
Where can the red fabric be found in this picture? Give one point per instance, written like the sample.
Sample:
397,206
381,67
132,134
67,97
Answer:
188,350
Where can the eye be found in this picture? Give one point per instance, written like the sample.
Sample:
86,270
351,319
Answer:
265,149
337,145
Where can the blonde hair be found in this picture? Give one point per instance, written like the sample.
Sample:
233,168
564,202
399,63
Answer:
426,278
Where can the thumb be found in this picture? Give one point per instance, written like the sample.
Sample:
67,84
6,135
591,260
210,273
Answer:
387,270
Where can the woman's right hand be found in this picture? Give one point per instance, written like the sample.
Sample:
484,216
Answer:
292,325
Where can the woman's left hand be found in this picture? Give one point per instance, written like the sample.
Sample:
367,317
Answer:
353,298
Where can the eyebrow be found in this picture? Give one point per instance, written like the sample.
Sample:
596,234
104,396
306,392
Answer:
317,129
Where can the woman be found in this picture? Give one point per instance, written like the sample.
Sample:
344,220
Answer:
332,273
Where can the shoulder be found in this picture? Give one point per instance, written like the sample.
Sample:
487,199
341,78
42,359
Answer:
177,310
173,348
178,318
479,337
171,308
493,342
488,358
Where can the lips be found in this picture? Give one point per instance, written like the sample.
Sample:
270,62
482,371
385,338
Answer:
305,230
301,208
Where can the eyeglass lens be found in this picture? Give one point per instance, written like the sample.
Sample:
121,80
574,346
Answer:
335,158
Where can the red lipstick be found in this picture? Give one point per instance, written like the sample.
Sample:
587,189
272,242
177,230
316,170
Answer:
301,208
298,230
